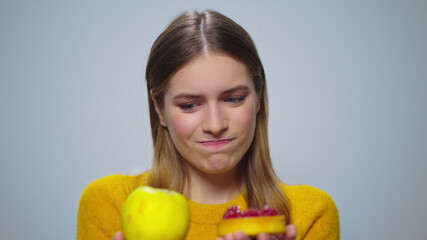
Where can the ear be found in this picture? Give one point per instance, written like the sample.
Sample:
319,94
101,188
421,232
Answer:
156,106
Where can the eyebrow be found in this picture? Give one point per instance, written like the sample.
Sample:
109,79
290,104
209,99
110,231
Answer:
195,96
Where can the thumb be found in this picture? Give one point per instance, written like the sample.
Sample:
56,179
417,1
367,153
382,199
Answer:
119,236
291,232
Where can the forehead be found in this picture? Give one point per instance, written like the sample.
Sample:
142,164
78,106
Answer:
209,73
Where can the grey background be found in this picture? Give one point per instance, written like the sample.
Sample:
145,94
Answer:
347,84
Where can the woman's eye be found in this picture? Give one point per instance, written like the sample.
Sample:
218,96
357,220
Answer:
234,100
188,107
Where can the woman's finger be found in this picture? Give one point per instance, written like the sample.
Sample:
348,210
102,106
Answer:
263,236
119,236
239,235
229,237
291,233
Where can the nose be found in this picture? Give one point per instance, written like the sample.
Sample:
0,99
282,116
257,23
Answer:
215,120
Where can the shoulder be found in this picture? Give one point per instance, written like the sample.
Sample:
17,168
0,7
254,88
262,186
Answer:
114,187
305,197
305,193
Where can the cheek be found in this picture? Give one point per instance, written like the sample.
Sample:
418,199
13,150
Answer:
181,126
246,118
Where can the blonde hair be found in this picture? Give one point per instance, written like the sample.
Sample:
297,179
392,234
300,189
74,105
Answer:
188,36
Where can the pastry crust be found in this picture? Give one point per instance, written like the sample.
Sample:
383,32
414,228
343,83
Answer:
253,226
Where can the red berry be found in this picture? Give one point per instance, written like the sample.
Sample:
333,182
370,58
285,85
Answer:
251,212
269,211
232,212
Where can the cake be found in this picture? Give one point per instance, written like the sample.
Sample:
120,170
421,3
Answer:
252,221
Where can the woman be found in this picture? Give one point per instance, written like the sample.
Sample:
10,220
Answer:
208,111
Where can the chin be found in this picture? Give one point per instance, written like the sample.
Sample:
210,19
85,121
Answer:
220,168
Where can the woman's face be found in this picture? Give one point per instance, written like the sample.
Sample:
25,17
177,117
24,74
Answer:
210,111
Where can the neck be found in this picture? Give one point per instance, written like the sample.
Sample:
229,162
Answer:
213,188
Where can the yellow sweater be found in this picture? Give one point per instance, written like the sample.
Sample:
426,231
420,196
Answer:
313,211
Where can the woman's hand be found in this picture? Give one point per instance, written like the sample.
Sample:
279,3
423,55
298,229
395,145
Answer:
119,236
291,234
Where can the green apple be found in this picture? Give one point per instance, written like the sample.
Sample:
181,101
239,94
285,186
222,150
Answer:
153,214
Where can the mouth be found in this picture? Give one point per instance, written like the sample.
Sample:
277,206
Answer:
216,143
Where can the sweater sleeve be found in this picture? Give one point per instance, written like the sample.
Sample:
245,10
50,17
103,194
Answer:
314,213
99,208
325,223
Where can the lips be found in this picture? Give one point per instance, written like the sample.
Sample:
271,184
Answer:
216,143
